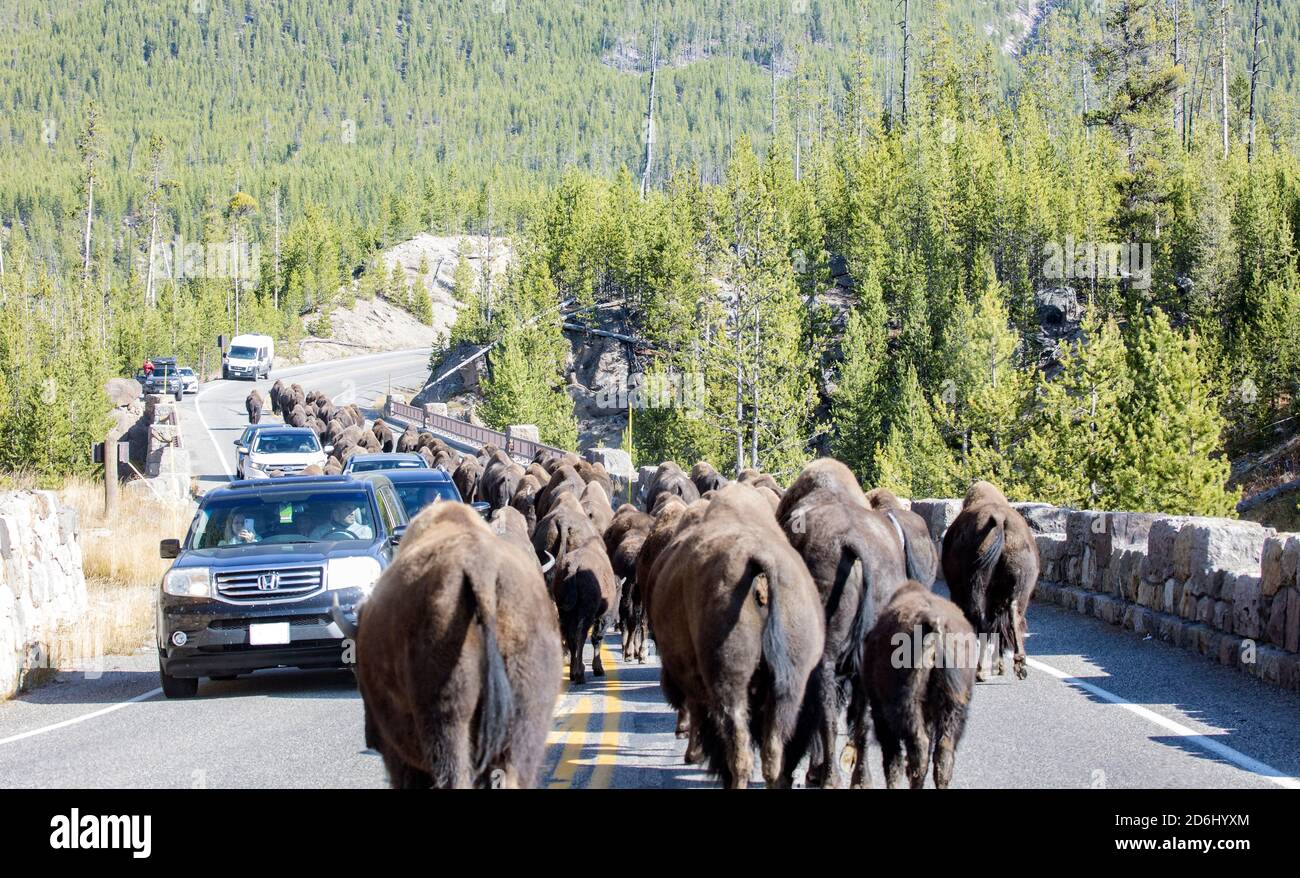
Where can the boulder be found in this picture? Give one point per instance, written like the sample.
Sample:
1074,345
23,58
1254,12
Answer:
122,392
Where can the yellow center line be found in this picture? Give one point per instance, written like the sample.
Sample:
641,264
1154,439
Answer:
572,731
607,746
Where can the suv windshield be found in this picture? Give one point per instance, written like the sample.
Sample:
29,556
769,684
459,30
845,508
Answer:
243,353
285,443
417,495
284,518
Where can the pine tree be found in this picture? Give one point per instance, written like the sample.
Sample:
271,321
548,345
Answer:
1072,443
913,461
1171,455
858,404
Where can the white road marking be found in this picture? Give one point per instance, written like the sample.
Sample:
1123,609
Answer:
1223,751
80,719
198,408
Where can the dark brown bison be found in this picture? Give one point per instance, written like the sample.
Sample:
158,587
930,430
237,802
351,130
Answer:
565,525
384,434
565,480
739,630
669,479
913,532
624,538
595,502
466,478
275,393
408,441
705,477
990,562
919,690
367,442
524,499
456,655
857,564
509,524
253,404
499,482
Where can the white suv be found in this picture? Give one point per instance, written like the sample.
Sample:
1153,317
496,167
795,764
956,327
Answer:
285,450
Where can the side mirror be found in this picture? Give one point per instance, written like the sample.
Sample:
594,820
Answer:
169,549
328,449
482,507
398,533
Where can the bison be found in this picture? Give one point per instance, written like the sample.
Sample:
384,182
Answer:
913,533
739,630
669,479
857,564
624,538
456,653
919,690
706,478
253,404
466,478
990,562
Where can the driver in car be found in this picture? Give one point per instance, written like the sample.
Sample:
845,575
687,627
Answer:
344,519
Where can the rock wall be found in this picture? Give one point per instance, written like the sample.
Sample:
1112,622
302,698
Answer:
1227,589
42,586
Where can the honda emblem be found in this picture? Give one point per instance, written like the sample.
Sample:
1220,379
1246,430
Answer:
268,581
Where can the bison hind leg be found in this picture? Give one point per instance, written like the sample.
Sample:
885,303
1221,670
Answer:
402,776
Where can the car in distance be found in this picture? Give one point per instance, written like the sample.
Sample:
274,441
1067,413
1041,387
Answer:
285,450
165,378
189,381
264,572
249,356
365,463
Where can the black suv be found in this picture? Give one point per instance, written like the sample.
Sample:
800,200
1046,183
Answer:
256,581
166,378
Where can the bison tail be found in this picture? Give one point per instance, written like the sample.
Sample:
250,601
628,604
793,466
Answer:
982,575
497,703
915,569
776,655
864,618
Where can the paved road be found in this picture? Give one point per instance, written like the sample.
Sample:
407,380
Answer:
1101,707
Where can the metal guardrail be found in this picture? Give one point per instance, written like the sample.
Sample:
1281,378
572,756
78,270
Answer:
471,433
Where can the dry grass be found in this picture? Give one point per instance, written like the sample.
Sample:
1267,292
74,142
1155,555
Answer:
120,558
123,549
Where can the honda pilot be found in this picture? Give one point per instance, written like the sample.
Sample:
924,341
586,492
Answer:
264,572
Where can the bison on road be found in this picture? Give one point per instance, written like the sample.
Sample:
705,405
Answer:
990,562
919,690
456,654
739,629
253,404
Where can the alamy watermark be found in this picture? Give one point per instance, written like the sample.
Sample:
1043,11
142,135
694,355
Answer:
178,259
1098,260
680,390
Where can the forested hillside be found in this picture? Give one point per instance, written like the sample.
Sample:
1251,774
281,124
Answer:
973,196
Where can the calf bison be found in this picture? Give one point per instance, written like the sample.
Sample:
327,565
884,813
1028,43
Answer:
739,629
919,690
990,562
456,653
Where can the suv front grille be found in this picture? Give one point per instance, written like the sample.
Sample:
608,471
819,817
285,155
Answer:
256,585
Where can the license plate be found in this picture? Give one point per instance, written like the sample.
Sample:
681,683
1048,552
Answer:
268,634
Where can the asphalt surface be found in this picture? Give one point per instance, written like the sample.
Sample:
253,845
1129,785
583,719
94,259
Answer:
1101,707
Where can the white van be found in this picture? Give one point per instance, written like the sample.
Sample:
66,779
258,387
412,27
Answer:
249,356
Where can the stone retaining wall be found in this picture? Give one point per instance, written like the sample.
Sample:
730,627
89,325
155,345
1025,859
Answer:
42,586
1227,589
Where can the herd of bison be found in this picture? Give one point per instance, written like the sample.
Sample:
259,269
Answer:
775,612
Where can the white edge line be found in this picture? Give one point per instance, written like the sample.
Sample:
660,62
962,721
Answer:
1237,758
198,409
79,719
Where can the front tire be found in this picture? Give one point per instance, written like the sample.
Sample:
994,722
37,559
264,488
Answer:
178,687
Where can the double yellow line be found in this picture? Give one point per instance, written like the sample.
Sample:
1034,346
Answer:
572,732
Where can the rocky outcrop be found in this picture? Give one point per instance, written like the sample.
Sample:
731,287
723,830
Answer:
42,587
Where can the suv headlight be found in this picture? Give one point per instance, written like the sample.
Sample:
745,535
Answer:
355,572
188,582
